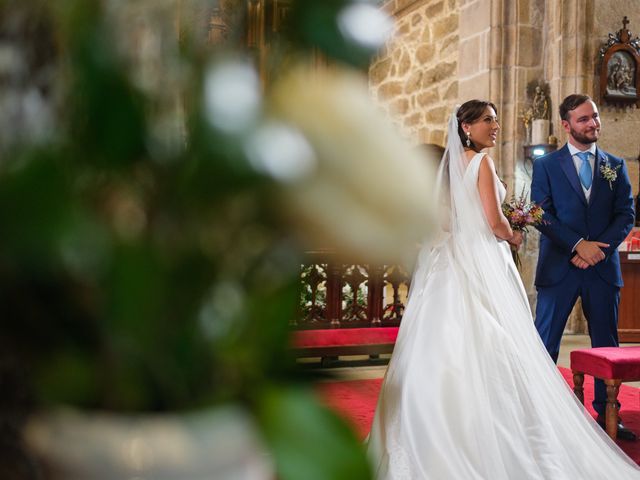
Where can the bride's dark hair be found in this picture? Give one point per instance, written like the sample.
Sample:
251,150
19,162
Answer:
469,112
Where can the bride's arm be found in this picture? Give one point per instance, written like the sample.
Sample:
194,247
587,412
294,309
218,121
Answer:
490,199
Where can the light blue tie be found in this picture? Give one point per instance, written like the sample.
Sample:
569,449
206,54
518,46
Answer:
585,173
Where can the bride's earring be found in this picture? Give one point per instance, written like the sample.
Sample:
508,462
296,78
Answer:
468,139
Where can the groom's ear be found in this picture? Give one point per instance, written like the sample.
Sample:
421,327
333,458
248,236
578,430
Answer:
566,126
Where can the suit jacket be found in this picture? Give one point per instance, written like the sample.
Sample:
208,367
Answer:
607,217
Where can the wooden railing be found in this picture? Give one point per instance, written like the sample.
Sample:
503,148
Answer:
343,295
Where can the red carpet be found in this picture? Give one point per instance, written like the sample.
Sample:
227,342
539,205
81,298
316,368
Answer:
355,400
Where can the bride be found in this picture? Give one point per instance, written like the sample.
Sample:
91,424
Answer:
470,392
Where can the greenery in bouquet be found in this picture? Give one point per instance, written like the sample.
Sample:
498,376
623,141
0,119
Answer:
154,211
521,214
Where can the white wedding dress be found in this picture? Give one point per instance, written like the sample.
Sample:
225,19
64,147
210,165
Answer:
470,391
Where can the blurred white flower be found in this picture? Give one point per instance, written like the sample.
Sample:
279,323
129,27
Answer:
232,95
280,151
365,24
219,311
369,195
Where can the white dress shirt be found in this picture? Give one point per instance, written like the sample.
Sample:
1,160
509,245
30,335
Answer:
577,161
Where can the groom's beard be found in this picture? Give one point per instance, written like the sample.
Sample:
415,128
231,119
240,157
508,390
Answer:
587,137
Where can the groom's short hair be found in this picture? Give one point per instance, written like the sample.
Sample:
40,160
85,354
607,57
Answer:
571,103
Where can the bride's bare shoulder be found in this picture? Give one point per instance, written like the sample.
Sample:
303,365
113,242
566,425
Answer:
486,167
484,160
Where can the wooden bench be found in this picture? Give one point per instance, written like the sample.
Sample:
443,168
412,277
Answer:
332,343
614,365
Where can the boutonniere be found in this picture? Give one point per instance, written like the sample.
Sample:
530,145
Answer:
609,173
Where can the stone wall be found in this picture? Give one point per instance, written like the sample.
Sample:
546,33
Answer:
620,126
576,29
500,44
415,79
567,69
448,51
569,34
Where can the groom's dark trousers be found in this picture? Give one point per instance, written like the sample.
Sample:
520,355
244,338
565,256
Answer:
607,217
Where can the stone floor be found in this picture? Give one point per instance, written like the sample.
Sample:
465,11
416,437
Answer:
569,343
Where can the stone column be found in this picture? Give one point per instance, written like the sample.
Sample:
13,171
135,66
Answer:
569,68
500,43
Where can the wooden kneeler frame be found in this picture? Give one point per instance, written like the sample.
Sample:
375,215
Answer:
611,411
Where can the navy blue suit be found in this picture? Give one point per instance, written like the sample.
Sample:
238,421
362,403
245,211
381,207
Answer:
607,217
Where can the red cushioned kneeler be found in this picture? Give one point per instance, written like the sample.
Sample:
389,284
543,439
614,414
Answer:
608,362
343,337
344,341
614,365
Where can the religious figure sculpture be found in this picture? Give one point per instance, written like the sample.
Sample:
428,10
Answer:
539,113
540,105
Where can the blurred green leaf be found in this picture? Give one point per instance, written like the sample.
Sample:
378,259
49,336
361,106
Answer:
308,441
215,166
136,285
315,24
116,264
35,206
159,359
69,378
106,113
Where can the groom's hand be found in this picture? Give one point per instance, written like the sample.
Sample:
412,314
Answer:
579,262
590,251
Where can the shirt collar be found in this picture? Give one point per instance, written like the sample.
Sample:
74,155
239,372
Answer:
573,150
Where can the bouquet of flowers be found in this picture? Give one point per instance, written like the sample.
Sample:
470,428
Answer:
521,214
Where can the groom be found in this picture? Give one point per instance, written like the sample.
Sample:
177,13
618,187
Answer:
586,195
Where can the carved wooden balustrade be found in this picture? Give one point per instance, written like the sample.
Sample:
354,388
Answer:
343,295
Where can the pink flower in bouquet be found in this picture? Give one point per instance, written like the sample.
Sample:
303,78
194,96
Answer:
522,214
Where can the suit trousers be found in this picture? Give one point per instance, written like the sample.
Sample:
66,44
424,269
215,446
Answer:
600,306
